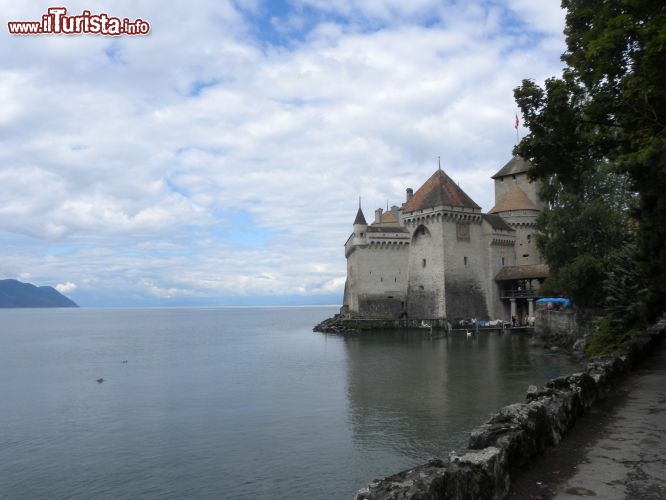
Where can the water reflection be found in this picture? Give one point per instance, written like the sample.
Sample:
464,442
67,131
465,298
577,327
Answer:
416,397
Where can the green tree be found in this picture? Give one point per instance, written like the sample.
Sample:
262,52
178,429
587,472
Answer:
599,125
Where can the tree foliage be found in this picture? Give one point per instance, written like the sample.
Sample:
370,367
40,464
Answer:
623,288
597,144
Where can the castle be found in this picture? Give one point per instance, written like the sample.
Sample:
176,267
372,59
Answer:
439,257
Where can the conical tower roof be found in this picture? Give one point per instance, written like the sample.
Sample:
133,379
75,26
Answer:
360,218
515,199
439,190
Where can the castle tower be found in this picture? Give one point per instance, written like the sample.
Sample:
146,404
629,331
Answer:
517,202
446,262
513,174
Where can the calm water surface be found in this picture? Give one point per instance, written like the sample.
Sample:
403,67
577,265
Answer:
238,403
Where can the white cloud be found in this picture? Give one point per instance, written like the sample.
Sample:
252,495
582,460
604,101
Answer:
65,288
541,15
211,158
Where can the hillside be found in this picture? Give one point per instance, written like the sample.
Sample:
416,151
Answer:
14,293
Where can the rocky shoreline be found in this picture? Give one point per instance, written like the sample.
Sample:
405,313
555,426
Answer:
499,449
335,324
343,324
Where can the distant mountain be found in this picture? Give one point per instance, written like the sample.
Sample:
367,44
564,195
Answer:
14,293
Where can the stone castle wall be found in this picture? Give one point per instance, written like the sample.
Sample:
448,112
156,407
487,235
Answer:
377,278
464,259
524,223
426,272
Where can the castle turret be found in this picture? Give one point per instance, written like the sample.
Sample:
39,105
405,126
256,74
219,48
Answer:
517,202
360,226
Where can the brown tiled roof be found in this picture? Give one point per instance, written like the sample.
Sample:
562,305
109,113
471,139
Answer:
515,199
522,272
439,190
516,165
497,222
388,217
360,218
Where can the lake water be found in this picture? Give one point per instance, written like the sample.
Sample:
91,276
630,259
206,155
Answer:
237,403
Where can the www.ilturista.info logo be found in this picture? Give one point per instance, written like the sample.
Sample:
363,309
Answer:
57,22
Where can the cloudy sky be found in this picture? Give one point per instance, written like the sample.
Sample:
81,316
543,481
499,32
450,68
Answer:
219,159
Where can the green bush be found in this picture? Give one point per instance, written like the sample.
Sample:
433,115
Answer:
608,338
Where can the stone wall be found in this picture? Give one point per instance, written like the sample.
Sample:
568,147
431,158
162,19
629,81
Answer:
382,306
555,322
557,327
499,449
425,291
376,271
465,298
465,270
